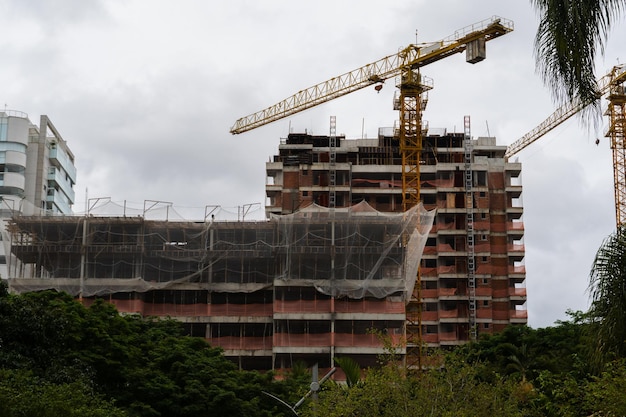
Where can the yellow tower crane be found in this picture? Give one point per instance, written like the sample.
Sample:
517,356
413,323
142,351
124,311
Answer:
405,65
613,85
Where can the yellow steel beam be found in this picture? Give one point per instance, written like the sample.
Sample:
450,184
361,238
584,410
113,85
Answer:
617,134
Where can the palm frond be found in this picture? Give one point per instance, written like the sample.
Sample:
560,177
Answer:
607,289
351,368
569,36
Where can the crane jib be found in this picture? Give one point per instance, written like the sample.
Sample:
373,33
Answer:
409,58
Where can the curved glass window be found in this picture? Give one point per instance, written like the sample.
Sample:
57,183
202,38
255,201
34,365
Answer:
14,168
12,146
11,191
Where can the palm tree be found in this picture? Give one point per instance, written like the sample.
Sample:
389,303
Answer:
569,35
607,288
352,370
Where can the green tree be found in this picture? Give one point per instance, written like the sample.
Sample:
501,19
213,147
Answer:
457,389
570,34
146,365
604,395
607,288
22,394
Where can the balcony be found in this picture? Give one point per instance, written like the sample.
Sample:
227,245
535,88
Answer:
517,292
428,271
370,306
514,191
302,306
448,292
302,340
446,269
430,315
450,314
430,338
509,292
58,200
430,250
484,269
124,306
206,310
515,248
245,310
364,340
273,188
445,226
510,315
445,248
58,177
241,343
176,310
430,293
440,293
515,226
273,166
62,159
519,315
447,336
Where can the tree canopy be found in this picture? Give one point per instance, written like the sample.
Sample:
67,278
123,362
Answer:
65,359
126,363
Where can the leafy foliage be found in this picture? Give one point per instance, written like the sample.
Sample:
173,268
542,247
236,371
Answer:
456,390
58,357
22,394
147,366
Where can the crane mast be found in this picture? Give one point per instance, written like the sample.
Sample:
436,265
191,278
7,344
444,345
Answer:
613,84
405,65
616,133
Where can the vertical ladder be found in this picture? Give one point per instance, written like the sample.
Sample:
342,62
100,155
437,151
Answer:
332,182
469,206
332,168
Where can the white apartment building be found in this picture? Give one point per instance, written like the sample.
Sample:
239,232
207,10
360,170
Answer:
37,172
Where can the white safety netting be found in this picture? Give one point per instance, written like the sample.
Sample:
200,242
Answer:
354,252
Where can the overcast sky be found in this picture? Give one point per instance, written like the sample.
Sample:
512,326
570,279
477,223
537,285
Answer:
145,93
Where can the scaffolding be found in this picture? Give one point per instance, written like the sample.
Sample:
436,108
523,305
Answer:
93,256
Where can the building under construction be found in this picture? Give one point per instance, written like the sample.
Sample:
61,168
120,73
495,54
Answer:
329,273
472,277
